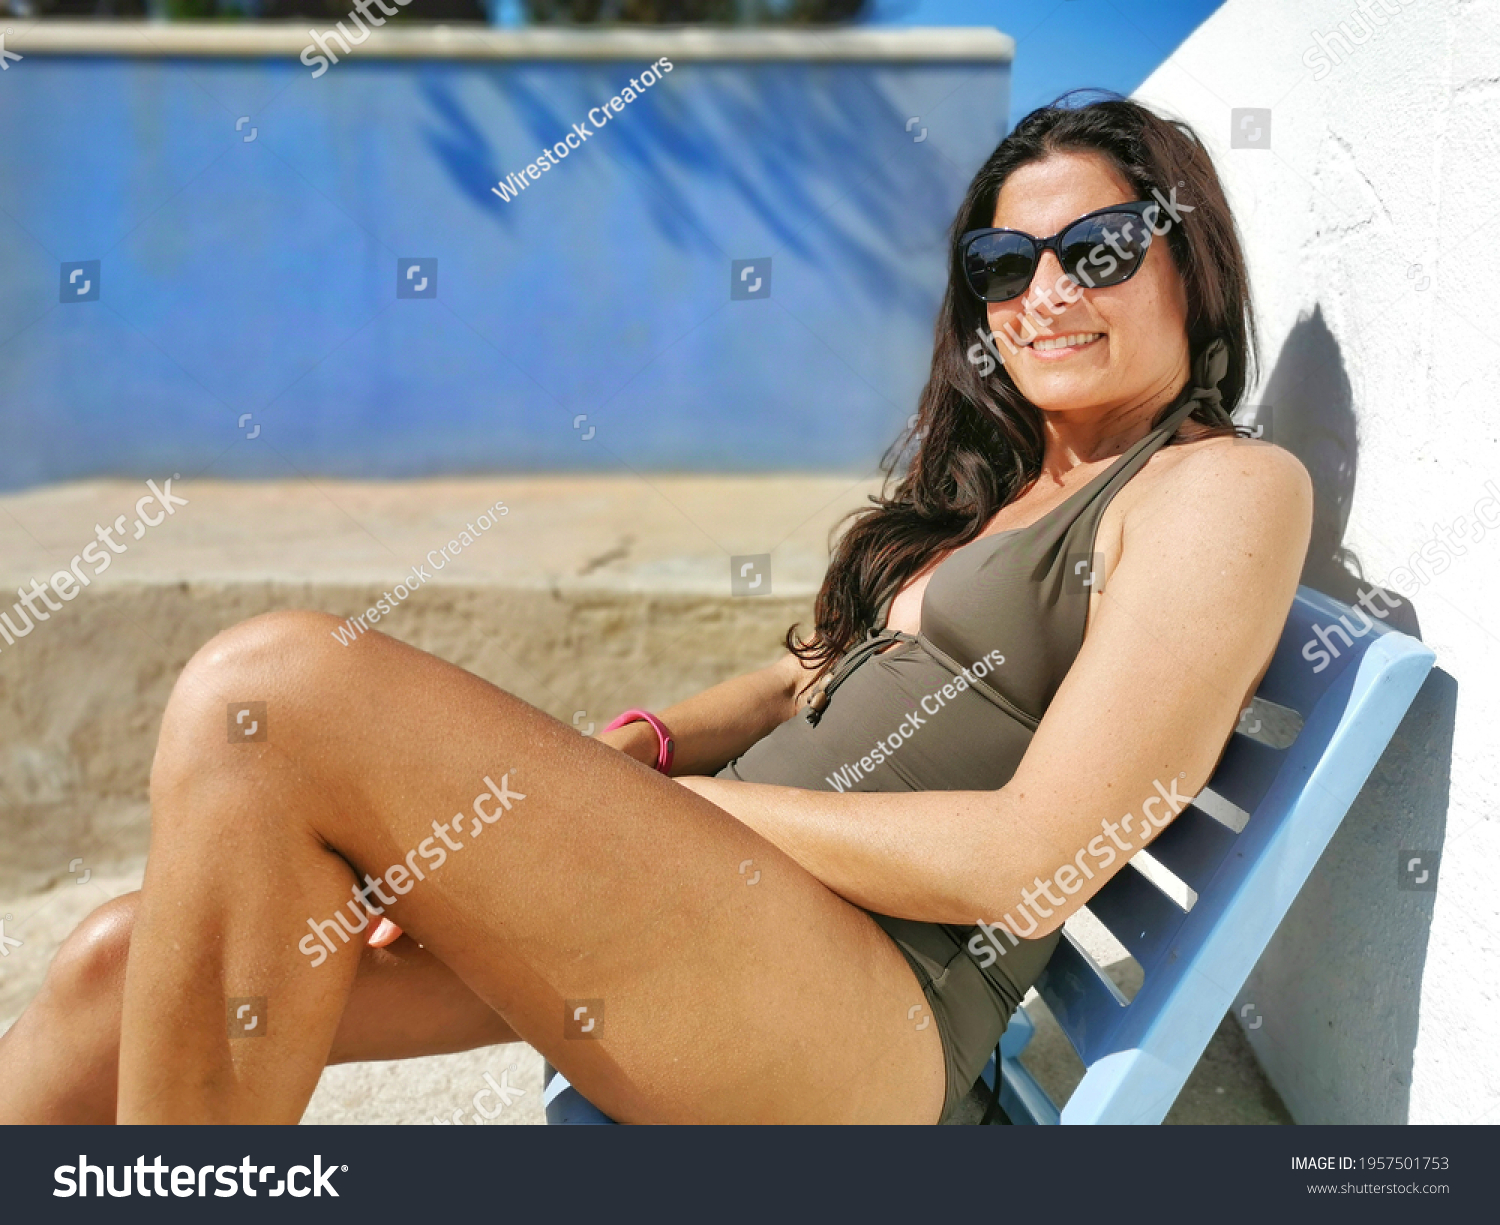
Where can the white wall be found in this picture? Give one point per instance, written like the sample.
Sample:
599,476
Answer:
1372,228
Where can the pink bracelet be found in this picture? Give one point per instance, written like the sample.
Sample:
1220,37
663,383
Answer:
664,746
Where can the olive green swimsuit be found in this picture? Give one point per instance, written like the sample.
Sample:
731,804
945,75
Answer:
940,712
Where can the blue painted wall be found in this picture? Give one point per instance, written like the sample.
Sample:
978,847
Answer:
259,276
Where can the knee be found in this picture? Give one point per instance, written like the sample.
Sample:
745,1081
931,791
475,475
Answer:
90,966
228,691
264,652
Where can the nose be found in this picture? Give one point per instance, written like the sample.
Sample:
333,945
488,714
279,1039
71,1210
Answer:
1042,294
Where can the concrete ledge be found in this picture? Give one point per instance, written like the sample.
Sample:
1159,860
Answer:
657,533
476,42
587,596
80,709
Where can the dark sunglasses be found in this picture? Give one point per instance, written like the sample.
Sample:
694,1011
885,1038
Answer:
1100,249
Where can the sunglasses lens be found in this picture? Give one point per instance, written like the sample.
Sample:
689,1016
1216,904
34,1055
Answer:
1105,250
999,266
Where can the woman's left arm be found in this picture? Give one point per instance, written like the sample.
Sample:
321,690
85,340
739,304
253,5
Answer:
1186,623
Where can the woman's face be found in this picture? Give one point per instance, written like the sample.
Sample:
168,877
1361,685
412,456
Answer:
1135,348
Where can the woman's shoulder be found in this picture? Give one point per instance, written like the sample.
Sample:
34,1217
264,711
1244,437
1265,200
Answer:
1221,475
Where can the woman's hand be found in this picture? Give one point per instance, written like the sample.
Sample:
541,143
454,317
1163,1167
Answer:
637,740
385,933
720,723
907,854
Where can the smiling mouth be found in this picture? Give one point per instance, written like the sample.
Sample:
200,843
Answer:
1071,343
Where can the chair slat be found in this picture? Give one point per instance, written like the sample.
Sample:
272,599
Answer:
1246,772
1192,847
1081,999
1269,723
1138,914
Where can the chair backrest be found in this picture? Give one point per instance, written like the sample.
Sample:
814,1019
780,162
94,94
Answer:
1351,679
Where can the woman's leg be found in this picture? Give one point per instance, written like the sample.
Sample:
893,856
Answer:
599,907
60,1061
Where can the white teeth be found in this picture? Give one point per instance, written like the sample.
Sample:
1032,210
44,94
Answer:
1063,342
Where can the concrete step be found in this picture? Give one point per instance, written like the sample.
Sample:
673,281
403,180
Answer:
585,596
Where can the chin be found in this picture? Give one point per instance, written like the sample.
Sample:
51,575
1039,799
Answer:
1062,394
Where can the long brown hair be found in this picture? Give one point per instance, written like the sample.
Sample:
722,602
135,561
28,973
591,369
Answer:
979,442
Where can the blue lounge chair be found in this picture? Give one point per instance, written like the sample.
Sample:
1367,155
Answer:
1299,757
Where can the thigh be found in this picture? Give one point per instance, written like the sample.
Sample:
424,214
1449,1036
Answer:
670,961
406,1003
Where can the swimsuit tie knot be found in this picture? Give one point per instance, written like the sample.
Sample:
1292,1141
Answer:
1209,370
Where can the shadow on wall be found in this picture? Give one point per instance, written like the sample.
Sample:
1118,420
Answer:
824,191
1339,987
1311,402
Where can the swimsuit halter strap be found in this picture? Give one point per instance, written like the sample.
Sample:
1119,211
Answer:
1208,370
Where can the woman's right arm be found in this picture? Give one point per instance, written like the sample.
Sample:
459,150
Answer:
717,725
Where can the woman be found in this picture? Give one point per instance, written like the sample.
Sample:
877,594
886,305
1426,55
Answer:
1054,616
